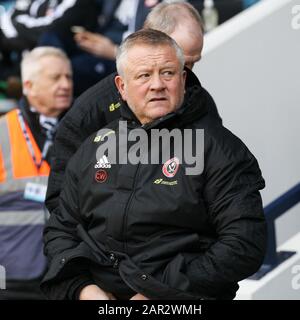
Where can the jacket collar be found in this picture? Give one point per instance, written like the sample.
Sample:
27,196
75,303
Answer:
31,117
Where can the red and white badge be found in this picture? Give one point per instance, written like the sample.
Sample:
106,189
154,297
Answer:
171,167
101,176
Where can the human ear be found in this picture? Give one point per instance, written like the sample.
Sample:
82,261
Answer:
183,76
119,82
27,86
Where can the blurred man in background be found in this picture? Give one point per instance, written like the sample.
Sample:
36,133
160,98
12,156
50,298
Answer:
185,28
26,136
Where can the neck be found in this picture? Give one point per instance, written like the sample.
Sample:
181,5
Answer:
41,108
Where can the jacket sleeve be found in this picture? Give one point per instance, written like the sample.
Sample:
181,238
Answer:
233,180
65,14
68,266
89,113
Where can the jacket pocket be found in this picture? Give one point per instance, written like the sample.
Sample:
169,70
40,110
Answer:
142,282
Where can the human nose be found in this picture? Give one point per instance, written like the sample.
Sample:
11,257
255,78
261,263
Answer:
157,83
66,82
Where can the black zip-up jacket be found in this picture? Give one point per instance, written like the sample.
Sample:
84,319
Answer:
131,229
95,108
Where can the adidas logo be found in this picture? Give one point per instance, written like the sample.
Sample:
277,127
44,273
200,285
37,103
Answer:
103,163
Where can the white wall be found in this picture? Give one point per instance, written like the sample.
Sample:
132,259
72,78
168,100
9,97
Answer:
251,66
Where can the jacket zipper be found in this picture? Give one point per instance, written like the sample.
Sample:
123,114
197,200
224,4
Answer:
128,207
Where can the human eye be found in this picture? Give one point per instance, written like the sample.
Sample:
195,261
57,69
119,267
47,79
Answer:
54,77
143,75
168,73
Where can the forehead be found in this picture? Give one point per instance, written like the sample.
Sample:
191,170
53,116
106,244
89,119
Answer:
146,55
54,64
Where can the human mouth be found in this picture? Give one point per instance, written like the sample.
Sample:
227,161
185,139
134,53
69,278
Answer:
158,99
63,96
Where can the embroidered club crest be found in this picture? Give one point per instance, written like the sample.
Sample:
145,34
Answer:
171,167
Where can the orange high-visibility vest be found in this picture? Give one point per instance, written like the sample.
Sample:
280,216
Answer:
22,165
21,220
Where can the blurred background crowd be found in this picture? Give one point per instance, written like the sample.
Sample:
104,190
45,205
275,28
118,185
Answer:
88,31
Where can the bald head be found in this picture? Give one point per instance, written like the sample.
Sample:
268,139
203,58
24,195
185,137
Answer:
185,28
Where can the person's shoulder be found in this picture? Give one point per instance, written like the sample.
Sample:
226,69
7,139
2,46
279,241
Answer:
103,88
92,142
225,138
3,120
220,140
4,115
8,116
92,104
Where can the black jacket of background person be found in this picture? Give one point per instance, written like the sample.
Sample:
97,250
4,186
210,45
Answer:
31,18
95,108
186,237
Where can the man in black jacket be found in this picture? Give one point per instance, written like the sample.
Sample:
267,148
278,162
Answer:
101,103
167,229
